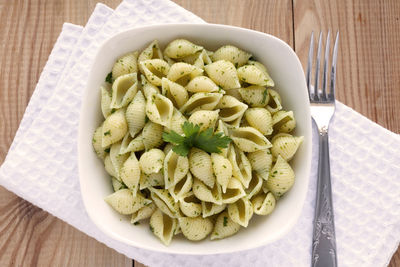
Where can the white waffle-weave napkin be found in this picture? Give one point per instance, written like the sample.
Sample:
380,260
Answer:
41,165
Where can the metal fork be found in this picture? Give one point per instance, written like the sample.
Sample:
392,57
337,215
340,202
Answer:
322,109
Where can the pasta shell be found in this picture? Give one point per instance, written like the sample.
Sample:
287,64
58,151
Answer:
224,227
175,92
261,162
222,170
241,168
195,229
109,167
270,82
283,121
182,187
281,177
233,54
235,93
241,211
130,173
221,128
148,88
114,128
202,84
286,146
154,70
180,48
152,161
151,180
175,168
143,213
204,118
209,209
190,205
152,51
96,143
255,96
117,159
124,90
201,166
105,100
201,101
124,202
254,186
182,73
274,103
231,109
252,75
261,119
177,121
163,226
223,73
136,114
263,204
152,135
125,64
249,139
164,201
202,60
204,193
130,144
159,109
233,192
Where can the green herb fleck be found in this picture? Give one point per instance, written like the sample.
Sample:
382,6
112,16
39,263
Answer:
107,133
136,223
113,110
225,221
265,93
109,78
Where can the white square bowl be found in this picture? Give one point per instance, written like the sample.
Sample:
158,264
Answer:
284,68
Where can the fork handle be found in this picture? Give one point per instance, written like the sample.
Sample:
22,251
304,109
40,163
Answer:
324,241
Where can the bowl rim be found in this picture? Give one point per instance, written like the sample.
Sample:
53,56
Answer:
249,245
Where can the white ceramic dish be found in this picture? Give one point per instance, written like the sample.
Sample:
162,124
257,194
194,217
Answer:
284,67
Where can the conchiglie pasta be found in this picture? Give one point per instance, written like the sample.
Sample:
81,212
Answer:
201,101
281,177
249,139
274,103
114,128
241,168
202,84
163,226
255,96
175,168
233,54
154,70
233,192
264,203
209,209
261,119
143,213
283,121
109,167
224,227
180,48
190,205
148,88
125,203
152,51
222,170
130,144
152,161
164,201
152,135
96,143
125,64
200,165
117,185
151,180
105,100
231,110
285,145
182,73
159,109
204,193
255,185
124,89
261,162
195,229
174,91
182,187
223,73
130,173
177,121
136,114
204,118
252,75
117,159
241,211
270,82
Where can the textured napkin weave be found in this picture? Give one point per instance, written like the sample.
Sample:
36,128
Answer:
41,165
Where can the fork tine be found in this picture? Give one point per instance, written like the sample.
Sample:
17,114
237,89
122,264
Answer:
333,72
316,95
326,61
309,65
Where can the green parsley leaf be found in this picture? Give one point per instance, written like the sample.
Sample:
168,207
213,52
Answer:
193,137
109,78
265,93
225,221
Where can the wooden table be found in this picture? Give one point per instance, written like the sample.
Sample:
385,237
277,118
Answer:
368,81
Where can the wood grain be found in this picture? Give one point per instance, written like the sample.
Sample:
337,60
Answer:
369,63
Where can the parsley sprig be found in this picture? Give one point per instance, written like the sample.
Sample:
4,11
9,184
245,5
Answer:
193,137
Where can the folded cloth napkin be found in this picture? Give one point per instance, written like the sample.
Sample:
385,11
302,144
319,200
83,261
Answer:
41,165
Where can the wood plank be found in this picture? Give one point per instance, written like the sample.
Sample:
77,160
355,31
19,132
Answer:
28,235
369,55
